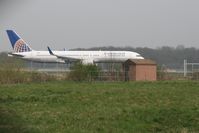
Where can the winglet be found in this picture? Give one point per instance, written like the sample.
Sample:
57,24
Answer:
50,51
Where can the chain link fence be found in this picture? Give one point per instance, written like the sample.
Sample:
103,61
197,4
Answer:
110,72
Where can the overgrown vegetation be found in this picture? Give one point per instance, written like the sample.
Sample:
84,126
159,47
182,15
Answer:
81,72
138,107
12,76
12,71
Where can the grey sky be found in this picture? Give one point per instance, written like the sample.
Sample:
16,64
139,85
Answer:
90,23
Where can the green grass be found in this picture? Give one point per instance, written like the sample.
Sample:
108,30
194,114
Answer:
68,107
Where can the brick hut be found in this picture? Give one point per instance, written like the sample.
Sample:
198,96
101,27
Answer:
140,70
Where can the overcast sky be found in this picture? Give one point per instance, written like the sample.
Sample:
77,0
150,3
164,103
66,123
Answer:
90,23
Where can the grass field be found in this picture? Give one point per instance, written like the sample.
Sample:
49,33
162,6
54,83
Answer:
68,107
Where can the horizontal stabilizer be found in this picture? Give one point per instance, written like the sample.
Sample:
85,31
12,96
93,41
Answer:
16,55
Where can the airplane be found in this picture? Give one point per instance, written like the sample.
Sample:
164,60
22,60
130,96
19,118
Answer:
22,50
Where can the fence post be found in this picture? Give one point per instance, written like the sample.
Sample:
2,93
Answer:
185,68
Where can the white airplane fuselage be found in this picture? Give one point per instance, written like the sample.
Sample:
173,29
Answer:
22,50
87,57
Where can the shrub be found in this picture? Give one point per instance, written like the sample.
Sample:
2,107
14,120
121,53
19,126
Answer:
81,72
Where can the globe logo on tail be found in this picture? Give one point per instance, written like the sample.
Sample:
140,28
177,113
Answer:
20,46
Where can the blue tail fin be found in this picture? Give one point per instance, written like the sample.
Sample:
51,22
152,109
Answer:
18,44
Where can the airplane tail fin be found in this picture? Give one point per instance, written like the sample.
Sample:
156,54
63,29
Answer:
18,44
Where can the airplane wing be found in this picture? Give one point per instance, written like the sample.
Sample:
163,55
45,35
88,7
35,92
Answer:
66,58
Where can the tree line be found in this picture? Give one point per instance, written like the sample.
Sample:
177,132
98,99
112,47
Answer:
170,57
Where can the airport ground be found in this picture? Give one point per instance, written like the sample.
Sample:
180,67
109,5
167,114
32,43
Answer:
83,107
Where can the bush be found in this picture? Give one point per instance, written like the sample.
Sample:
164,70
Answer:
80,72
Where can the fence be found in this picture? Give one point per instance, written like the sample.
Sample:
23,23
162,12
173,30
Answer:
191,70
114,72
109,72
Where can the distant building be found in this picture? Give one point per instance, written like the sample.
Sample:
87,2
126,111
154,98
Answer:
140,70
